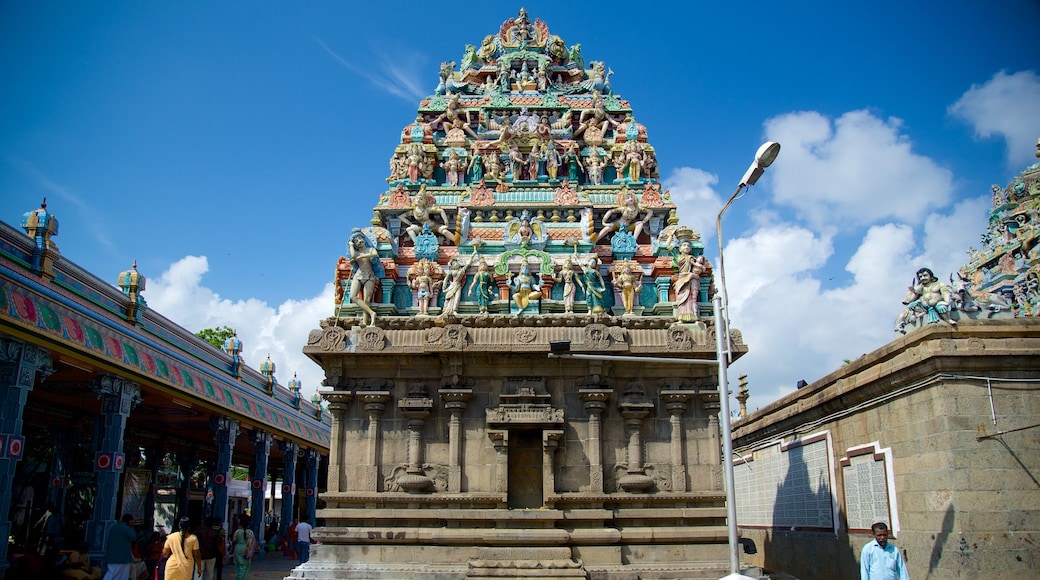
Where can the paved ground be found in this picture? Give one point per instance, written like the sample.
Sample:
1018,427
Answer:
273,566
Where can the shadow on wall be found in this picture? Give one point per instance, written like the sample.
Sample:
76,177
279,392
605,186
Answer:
802,541
940,539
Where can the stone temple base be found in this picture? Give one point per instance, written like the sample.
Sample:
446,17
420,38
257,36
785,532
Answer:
410,562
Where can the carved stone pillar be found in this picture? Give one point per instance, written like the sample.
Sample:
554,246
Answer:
500,439
19,364
710,403
635,406
455,402
676,402
258,480
290,449
225,432
416,407
595,404
118,397
374,404
339,404
550,443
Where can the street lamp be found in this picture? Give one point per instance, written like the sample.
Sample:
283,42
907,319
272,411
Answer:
763,158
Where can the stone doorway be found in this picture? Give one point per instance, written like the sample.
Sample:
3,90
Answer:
525,469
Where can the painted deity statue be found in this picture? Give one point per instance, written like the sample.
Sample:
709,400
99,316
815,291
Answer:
571,281
453,169
526,287
454,283
595,287
553,160
367,269
420,279
422,212
627,277
573,161
687,280
633,152
625,216
930,295
476,165
484,284
594,168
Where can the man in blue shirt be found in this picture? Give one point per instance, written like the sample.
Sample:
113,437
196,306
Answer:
119,549
880,560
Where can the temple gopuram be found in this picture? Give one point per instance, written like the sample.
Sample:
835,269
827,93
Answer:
1004,275
523,207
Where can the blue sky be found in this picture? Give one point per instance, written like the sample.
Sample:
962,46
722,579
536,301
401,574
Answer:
229,147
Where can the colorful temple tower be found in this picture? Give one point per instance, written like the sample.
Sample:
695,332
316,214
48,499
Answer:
524,208
1003,277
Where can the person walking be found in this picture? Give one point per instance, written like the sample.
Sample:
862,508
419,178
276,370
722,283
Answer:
303,540
881,560
182,551
221,547
208,548
119,549
244,546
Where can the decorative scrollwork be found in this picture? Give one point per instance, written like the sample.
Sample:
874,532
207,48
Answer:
332,339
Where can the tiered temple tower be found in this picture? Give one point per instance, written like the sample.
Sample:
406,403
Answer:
524,207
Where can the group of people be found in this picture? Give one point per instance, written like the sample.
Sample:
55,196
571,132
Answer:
188,553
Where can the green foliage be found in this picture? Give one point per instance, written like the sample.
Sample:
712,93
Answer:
215,336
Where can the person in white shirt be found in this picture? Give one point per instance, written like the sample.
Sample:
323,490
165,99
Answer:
303,531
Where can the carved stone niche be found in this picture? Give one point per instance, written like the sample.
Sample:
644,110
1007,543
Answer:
417,407
635,406
524,403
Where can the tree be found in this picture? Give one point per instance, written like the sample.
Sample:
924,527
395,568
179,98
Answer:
216,336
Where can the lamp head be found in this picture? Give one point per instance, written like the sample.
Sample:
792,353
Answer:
767,153
764,157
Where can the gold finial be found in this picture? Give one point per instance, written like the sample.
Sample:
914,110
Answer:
743,396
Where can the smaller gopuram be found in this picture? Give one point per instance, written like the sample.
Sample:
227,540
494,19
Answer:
523,207
1002,277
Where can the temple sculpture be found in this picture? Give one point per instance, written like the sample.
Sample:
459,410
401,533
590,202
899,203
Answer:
1002,276
523,215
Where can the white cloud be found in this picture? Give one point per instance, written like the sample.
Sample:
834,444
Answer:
391,77
1007,106
180,295
857,170
695,198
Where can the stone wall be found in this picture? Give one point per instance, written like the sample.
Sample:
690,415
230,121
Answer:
949,417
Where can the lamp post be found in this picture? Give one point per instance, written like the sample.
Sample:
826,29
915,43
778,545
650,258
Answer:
763,158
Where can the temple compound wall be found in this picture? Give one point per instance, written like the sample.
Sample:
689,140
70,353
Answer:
934,433
523,207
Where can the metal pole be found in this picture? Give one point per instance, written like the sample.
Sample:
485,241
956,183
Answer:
721,348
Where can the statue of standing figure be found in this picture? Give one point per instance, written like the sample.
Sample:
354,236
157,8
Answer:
687,280
420,279
595,287
627,277
484,284
571,281
454,283
367,269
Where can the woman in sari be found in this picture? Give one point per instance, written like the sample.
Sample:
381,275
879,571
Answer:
182,549
243,544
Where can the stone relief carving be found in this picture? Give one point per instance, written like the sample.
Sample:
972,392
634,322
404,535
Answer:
371,338
332,339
